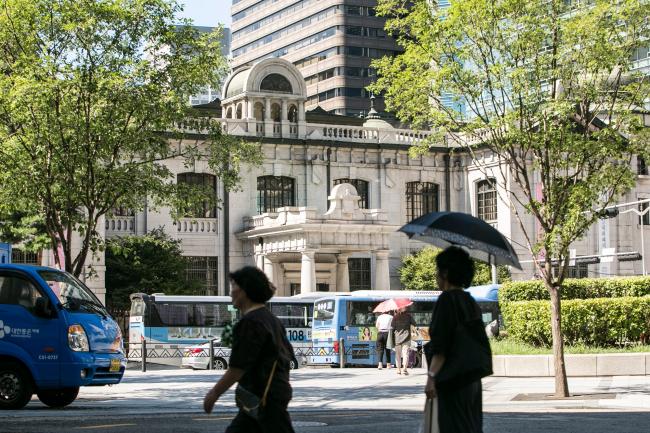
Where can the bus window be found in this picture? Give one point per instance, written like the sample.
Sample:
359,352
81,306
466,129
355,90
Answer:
360,313
137,307
212,315
171,315
292,315
324,310
422,312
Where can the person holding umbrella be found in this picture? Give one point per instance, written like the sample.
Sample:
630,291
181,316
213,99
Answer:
460,407
402,322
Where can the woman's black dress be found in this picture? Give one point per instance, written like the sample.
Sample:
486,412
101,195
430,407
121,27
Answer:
460,407
259,339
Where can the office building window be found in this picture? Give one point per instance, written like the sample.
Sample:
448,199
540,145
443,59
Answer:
359,273
362,189
19,256
642,166
208,184
203,270
421,198
274,192
486,200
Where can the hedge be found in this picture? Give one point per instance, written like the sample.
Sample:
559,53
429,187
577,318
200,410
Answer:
576,288
599,322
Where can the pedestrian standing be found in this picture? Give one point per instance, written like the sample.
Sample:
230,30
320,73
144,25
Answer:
259,360
459,398
383,326
402,322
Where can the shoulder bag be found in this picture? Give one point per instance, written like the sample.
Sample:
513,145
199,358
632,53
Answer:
250,403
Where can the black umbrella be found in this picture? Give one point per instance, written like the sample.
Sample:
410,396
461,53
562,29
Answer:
483,241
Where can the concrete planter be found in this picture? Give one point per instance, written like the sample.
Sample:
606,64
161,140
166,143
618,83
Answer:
604,364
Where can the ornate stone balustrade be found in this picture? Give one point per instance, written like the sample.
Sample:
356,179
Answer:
201,226
120,226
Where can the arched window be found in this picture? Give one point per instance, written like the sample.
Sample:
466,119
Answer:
276,83
259,111
274,192
362,189
293,114
486,200
421,198
229,113
205,182
239,110
276,111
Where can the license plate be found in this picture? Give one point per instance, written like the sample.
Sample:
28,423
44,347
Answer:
115,365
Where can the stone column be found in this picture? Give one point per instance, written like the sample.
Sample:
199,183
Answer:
284,119
259,261
269,268
308,272
382,275
302,124
342,273
268,121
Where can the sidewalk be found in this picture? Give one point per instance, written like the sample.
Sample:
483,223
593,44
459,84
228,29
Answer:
181,391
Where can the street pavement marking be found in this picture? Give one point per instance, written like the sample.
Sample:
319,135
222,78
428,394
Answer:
104,426
214,418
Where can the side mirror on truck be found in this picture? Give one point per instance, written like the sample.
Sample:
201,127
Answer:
43,307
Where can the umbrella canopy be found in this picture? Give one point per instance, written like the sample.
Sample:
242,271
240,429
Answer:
483,241
392,304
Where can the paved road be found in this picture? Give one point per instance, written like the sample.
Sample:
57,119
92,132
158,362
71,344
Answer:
334,400
343,422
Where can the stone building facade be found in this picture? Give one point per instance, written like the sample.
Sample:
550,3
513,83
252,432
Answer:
321,212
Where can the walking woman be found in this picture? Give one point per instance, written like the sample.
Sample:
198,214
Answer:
259,359
460,406
402,322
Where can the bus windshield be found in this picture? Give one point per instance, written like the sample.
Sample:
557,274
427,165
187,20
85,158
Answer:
324,310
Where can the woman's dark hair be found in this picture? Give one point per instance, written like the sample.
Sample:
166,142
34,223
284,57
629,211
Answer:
454,263
254,282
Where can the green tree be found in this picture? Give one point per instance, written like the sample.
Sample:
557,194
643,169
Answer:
93,99
549,87
152,263
418,271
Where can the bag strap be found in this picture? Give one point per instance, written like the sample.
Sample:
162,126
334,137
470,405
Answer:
268,384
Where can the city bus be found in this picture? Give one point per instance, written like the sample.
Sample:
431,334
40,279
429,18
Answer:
169,324
351,319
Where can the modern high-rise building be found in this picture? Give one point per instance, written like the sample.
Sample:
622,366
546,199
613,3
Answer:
209,93
332,42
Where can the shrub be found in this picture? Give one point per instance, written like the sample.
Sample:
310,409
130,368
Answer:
418,271
599,322
576,288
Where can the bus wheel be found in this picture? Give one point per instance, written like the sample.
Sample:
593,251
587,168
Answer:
293,364
15,386
58,397
219,364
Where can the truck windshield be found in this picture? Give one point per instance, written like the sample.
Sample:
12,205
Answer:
72,293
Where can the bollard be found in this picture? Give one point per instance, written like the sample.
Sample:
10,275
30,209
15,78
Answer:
211,354
144,356
342,352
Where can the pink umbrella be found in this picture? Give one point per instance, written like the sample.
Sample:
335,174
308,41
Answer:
392,304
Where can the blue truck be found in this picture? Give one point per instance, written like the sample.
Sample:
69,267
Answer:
55,336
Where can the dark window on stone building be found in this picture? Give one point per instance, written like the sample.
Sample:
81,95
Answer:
359,272
274,192
362,189
421,198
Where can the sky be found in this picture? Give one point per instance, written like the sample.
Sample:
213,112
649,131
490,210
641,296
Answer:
207,12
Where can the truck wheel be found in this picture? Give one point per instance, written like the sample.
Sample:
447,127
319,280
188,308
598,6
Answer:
16,387
58,397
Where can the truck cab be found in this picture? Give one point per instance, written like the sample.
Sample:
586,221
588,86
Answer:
55,336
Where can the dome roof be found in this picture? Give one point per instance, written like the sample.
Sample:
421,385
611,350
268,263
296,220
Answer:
237,83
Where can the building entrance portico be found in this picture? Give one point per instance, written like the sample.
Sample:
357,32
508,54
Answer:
296,246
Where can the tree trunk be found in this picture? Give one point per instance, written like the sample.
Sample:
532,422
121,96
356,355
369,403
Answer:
561,384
